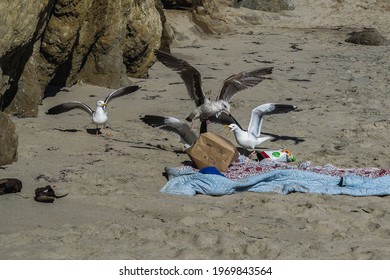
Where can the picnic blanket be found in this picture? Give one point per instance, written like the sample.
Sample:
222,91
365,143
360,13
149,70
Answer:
278,177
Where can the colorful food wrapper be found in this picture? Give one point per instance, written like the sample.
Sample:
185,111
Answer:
283,155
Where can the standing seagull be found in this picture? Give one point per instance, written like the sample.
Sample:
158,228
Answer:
100,115
182,130
206,108
250,138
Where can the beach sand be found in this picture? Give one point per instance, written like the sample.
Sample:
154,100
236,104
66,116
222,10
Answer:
114,209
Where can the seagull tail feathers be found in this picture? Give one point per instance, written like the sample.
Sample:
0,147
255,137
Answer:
191,117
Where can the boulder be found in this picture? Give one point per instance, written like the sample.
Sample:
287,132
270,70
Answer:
265,5
368,36
8,140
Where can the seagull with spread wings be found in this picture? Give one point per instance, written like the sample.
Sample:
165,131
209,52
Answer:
206,108
100,115
186,135
251,138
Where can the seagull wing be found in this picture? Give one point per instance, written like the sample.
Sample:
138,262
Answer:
191,77
259,112
121,92
65,107
241,81
173,125
225,119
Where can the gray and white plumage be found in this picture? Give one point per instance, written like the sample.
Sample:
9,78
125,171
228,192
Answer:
251,138
186,135
100,115
206,108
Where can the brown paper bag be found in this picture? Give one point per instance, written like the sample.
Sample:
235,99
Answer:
211,149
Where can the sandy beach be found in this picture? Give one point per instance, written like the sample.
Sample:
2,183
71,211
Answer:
114,209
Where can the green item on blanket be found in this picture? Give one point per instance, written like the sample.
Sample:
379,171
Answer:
283,155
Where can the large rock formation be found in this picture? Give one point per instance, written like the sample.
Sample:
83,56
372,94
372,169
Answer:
57,42
8,140
4,79
21,25
266,5
186,4
198,18
177,4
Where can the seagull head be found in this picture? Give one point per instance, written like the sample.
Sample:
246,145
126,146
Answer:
101,103
223,106
232,127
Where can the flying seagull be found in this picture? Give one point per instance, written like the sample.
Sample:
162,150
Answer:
206,108
100,115
182,130
251,138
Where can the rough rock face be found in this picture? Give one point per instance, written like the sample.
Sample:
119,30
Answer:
102,40
166,38
208,18
57,42
266,5
4,79
175,4
21,26
204,17
8,140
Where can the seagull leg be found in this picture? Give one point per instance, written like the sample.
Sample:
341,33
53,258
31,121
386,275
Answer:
108,134
203,126
252,153
248,160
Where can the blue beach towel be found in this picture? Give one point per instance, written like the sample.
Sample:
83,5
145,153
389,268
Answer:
282,181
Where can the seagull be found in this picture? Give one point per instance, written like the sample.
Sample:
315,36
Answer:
182,130
250,138
100,115
205,108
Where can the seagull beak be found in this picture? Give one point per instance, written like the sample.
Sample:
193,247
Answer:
105,104
228,130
